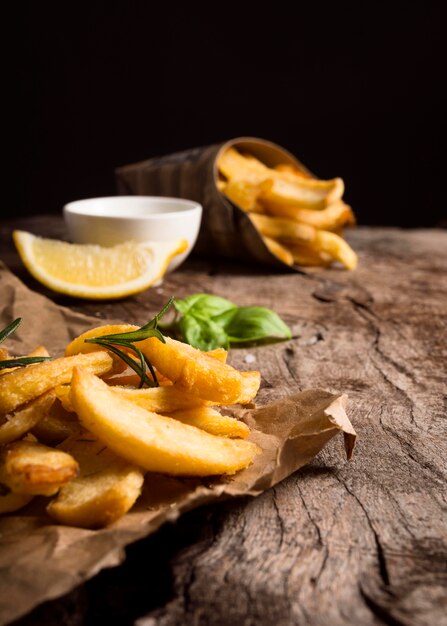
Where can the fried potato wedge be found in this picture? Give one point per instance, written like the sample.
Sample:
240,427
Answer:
336,247
194,371
332,217
282,228
292,169
57,425
17,425
251,382
11,502
107,486
244,194
78,344
160,399
307,256
30,468
151,441
26,383
306,193
279,250
207,418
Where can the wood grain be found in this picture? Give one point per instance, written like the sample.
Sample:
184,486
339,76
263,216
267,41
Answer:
337,543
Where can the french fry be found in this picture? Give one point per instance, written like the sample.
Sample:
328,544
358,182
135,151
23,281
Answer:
4,354
332,217
194,371
278,250
294,170
306,256
244,194
10,502
78,344
208,419
15,426
30,468
282,228
160,399
57,425
251,382
151,441
307,193
336,247
26,383
107,486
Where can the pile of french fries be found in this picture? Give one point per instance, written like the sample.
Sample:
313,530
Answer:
79,432
299,217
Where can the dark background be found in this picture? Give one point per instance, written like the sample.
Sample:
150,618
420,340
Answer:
352,89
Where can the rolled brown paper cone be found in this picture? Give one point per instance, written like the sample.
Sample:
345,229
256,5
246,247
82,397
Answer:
226,230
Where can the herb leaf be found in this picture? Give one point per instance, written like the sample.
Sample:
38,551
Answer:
10,329
208,322
252,323
201,332
125,340
20,361
203,304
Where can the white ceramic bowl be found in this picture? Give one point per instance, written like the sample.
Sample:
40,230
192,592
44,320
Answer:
111,220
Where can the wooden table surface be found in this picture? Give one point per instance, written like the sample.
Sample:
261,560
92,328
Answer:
337,543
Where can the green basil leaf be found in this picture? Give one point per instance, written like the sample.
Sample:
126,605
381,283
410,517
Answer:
204,305
252,323
202,333
225,318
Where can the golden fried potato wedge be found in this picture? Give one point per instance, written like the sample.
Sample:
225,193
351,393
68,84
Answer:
57,425
160,399
78,344
282,228
151,441
17,425
332,217
294,170
306,192
11,502
26,383
107,486
39,351
30,468
194,371
279,250
251,382
207,418
244,194
306,256
336,247
4,354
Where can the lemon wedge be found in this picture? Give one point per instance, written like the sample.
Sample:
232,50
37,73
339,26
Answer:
92,271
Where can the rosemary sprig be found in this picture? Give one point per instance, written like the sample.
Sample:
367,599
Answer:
125,340
21,361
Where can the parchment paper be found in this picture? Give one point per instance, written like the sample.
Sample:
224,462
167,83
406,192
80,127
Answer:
40,560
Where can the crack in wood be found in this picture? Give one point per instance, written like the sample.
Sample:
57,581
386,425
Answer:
381,558
279,517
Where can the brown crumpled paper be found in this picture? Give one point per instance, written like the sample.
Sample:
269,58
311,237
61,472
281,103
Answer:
40,560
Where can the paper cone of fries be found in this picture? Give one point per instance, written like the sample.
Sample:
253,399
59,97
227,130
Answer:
260,203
